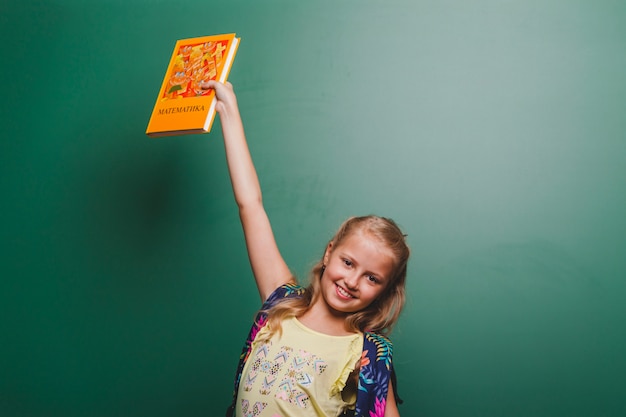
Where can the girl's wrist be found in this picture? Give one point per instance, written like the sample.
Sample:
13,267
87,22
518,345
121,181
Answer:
229,113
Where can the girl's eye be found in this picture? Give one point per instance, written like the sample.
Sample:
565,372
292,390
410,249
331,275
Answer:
372,279
347,262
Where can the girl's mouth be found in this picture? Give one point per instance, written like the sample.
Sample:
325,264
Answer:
343,293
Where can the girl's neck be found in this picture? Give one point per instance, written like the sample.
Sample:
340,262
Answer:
323,320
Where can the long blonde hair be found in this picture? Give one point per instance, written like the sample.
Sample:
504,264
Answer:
381,315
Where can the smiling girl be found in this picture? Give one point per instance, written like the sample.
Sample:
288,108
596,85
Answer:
320,350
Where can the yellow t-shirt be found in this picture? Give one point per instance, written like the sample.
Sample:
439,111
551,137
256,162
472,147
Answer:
301,373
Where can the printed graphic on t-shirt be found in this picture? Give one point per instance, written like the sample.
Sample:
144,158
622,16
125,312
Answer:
253,411
283,375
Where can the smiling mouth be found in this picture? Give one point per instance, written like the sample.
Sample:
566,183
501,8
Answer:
343,293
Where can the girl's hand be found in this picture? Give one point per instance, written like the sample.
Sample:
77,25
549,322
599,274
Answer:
225,94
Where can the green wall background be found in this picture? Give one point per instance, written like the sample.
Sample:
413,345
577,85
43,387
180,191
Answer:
493,131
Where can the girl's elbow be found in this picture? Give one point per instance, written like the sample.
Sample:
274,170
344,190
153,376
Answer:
249,203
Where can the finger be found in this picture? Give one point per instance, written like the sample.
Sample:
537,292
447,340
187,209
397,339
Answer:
207,85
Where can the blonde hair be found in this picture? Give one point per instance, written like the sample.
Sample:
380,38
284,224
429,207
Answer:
382,314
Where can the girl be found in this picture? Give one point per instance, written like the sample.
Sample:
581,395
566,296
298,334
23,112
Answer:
320,350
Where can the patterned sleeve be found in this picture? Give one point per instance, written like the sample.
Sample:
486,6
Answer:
374,376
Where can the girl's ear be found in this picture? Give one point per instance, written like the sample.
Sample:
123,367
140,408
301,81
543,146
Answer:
328,252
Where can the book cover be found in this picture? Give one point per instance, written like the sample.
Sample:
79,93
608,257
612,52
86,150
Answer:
183,106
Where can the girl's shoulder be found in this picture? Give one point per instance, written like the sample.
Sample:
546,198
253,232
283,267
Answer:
378,349
378,338
289,290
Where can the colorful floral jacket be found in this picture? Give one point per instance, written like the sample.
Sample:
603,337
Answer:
375,372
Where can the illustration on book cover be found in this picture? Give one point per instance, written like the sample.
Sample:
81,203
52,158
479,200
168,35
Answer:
193,66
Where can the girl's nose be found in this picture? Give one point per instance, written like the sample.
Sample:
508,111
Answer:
351,281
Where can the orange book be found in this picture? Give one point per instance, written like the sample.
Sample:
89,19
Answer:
184,106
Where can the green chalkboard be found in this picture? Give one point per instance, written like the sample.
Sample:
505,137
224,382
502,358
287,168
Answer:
492,131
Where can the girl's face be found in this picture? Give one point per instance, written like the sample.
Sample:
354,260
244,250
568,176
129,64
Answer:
357,272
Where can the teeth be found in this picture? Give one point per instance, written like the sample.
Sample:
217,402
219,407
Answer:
343,292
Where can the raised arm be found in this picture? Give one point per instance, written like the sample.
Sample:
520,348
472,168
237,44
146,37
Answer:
268,266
